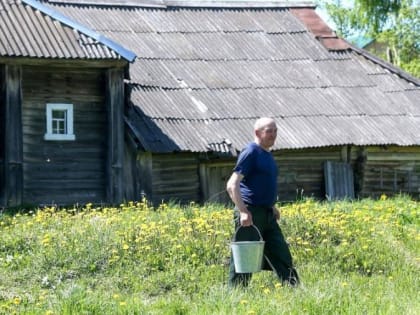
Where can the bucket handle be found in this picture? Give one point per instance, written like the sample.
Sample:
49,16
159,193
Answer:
234,237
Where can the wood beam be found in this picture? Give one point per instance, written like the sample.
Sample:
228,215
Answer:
13,143
115,110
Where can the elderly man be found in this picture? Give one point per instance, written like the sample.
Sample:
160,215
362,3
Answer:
253,189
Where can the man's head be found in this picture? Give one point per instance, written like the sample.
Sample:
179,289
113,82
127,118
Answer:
265,130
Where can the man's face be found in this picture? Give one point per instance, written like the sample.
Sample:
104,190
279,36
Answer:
267,135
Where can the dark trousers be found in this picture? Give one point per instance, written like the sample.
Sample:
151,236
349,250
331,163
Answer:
277,255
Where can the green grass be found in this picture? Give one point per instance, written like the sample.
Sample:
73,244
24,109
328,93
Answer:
359,257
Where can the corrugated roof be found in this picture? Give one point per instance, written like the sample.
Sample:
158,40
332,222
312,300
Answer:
30,29
204,74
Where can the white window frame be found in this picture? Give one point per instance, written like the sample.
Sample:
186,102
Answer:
69,135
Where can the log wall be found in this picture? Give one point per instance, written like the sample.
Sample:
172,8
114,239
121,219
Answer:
185,178
391,170
301,172
64,172
169,177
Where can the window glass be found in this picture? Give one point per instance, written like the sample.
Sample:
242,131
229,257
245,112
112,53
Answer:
59,122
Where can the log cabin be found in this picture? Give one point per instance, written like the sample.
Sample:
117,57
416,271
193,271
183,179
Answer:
169,93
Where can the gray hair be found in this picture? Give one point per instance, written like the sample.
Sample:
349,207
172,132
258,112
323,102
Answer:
262,122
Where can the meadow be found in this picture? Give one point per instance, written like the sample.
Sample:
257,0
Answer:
354,257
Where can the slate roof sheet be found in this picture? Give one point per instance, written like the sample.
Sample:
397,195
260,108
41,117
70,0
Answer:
203,74
29,29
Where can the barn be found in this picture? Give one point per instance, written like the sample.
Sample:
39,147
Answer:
167,91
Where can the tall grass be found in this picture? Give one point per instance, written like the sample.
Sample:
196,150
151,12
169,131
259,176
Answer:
354,257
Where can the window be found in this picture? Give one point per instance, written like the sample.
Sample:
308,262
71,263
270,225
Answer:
59,122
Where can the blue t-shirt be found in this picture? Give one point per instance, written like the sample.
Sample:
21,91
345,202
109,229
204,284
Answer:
259,185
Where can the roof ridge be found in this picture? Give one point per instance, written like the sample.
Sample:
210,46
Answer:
241,3
194,3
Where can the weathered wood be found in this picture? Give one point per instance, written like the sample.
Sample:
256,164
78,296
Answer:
301,172
132,189
391,170
339,182
63,63
144,175
179,182
115,108
64,172
13,156
213,179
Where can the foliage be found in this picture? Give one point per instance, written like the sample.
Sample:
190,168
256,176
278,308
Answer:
354,257
394,23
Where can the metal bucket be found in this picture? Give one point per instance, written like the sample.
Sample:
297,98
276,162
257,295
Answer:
248,255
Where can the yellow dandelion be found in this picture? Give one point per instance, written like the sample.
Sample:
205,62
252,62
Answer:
125,247
243,302
16,300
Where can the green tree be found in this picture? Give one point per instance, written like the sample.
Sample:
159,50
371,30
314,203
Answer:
393,24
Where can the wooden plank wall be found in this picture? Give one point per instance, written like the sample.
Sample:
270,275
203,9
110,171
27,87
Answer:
391,170
181,177
301,172
213,180
175,178
131,176
64,171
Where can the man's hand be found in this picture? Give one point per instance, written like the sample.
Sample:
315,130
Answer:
246,218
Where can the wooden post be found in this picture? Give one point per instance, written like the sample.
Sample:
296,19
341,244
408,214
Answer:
13,143
115,158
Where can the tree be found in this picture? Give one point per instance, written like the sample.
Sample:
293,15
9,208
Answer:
393,23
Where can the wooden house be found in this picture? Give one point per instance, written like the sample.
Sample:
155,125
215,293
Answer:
349,123
61,109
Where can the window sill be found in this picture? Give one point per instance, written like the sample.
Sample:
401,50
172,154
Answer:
56,137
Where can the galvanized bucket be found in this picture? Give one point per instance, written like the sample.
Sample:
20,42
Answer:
247,255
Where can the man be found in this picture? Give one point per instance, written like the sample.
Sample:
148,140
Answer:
253,189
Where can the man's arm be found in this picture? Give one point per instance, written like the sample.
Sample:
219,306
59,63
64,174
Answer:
234,192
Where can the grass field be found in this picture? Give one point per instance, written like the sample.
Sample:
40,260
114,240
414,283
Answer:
354,257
